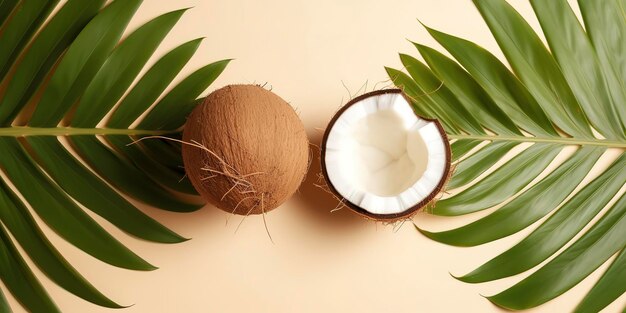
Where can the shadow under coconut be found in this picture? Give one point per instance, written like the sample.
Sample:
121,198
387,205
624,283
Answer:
188,224
315,201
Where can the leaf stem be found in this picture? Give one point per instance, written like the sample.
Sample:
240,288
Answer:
560,140
22,131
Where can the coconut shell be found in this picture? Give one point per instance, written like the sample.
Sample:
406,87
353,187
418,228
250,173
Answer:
253,151
428,201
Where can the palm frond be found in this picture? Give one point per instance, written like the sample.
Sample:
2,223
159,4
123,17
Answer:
566,96
67,103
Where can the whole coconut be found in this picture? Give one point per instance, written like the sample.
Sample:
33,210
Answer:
248,151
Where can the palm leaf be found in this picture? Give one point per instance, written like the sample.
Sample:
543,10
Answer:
564,99
75,75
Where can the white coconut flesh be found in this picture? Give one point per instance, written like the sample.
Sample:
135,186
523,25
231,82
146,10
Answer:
382,157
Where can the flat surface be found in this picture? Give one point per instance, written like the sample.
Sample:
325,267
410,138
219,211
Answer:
306,51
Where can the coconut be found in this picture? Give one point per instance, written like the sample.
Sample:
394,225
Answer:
247,149
381,159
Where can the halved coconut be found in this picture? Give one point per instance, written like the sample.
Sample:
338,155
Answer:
382,159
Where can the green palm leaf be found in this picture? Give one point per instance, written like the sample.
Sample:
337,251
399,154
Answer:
74,71
555,99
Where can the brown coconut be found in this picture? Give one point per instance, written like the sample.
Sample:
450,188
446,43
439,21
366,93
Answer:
248,150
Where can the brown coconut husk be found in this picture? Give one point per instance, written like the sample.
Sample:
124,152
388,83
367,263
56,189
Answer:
252,151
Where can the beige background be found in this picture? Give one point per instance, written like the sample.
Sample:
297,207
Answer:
321,261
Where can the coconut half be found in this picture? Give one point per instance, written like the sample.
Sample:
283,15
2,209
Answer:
382,159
